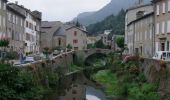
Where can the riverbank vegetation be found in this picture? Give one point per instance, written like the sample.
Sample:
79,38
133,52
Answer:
126,82
32,83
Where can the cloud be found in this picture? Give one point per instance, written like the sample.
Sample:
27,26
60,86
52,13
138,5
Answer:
63,10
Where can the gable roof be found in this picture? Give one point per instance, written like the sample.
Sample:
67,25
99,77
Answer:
13,7
68,28
143,17
55,28
139,6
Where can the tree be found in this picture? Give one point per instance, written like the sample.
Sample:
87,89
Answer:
69,47
47,52
4,43
120,44
100,44
78,24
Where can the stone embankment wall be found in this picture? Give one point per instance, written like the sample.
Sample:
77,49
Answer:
62,60
158,71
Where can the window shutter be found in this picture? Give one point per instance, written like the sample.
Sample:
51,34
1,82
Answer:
168,26
163,9
157,28
157,10
168,5
163,27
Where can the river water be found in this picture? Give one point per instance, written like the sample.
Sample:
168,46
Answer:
94,94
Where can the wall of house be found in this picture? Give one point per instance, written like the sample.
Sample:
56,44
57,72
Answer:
15,31
80,37
61,39
131,16
30,33
144,37
3,18
162,25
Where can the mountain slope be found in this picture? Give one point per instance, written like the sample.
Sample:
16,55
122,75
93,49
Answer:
114,23
112,8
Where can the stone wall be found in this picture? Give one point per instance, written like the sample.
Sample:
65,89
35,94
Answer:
155,71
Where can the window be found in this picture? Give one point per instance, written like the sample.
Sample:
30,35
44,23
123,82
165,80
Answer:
145,35
27,24
168,26
150,34
4,21
9,16
4,6
163,7
75,33
16,20
157,10
167,46
28,37
59,41
75,41
0,20
0,4
74,92
12,34
163,27
168,5
21,22
157,28
13,18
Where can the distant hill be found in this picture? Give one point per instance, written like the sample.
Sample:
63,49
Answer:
114,23
113,7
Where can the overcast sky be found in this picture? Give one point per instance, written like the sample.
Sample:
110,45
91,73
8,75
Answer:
62,10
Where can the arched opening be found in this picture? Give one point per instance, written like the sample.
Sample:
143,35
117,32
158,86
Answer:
94,58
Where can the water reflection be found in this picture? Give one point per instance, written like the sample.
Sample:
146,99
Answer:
94,94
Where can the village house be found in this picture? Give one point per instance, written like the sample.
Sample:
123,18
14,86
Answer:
32,30
76,37
52,35
3,22
162,25
142,30
15,27
132,14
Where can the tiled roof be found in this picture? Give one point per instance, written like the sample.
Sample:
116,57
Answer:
54,27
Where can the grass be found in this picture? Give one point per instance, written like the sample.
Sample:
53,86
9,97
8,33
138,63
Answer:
108,79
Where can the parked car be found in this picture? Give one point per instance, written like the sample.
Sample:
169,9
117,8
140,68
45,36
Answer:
29,59
162,55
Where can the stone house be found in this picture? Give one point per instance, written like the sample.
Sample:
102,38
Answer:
132,14
104,38
15,27
31,25
76,37
162,25
142,35
3,22
52,35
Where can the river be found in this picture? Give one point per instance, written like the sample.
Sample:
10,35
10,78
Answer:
94,94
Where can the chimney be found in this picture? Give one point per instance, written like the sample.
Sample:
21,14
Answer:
16,2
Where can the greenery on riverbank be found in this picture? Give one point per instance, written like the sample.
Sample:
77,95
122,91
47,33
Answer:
126,82
29,84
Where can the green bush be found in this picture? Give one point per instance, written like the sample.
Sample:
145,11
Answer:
17,85
12,55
